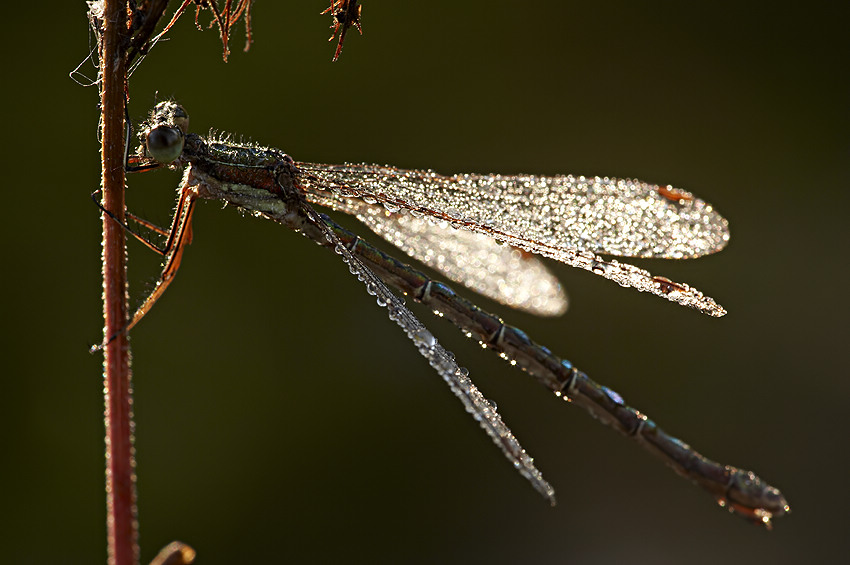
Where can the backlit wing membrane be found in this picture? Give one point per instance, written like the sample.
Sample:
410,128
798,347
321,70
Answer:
566,218
499,272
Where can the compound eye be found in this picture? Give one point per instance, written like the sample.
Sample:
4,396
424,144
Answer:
165,144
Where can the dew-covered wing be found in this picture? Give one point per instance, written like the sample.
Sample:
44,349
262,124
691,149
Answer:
500,272
567,218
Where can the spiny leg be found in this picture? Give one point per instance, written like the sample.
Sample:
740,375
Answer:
179,236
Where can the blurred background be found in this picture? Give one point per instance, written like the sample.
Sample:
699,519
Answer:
281,417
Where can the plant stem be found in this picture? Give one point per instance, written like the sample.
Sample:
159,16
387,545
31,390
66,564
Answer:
122,526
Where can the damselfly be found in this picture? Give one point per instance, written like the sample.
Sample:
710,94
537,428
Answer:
453,224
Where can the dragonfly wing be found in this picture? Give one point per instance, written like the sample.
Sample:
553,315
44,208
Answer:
499,272
442,360
477,261
567,218
625,218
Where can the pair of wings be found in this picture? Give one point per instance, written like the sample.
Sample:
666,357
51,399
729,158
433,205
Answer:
459,225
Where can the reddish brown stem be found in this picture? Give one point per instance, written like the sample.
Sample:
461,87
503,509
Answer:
122,526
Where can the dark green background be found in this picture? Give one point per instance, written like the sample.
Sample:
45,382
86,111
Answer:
282,418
